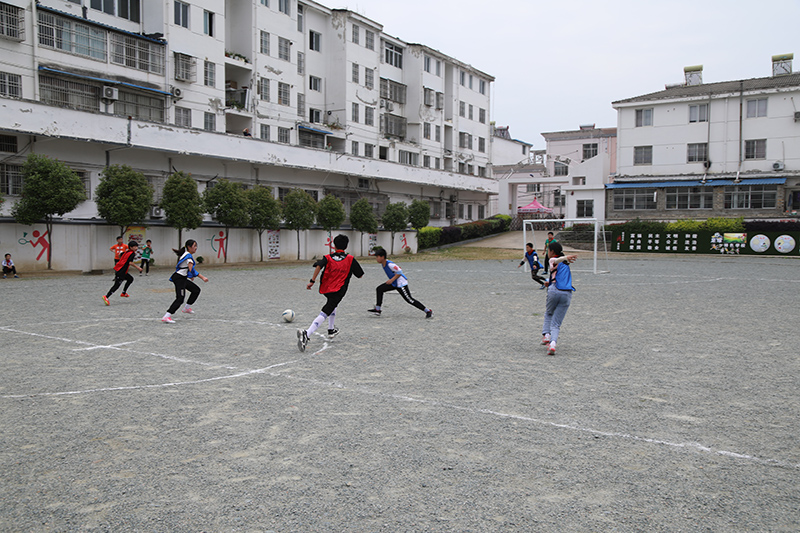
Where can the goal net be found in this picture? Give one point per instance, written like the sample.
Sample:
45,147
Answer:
575,235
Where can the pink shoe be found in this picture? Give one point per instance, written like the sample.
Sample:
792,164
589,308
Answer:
188,310
167,320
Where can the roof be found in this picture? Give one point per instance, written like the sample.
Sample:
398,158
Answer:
723,87
593,133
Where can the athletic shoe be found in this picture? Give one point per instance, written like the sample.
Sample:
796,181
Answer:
545,339
376,312
188,310
429,313
302,340
105,299
167,320
124,295
332,333
4,276
551,350
16,276
543,287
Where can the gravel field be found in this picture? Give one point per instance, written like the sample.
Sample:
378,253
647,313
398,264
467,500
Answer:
672,404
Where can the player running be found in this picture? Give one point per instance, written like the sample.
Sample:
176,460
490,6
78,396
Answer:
121,271
397,282
182,279
559,294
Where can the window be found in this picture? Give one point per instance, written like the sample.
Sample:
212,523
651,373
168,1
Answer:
426,161
460,210
284,48
482,116
208,23
314,115
437,163
209,74
354,147
579,180
481,144
751,197
462,78
264,42
265,3
369,78
689,198
284,135
426,63
408,158
462,109
70,94
439,100
355,71
265,132
394,125
315,83
301,105
426,130
642,155
757,108
10,179
301,18
697,152
428,96
183,117
127,9
140,106
470,81
10,85
301,63
396,92
263,88
464,140
589,150
585,208
698,113
314,40
369,116
438,132
629,199
756,149
137,53
470,114
283,7
644,117
482,86
393,54
8,143
354,114
560,169
210,122
106,6
284,94
184,67
71,36
181,14
482,174
12,22
356,33
369,40
369,150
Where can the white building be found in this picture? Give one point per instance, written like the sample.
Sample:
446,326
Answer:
699,150
334,104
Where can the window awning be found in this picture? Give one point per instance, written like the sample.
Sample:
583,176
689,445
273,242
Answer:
105,81
694,183
308,128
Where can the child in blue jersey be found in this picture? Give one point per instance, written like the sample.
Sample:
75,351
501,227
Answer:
397,282
182,279
559,294
533,261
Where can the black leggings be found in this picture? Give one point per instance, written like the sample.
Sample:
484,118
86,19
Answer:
405,292
146,265
118,279
183,284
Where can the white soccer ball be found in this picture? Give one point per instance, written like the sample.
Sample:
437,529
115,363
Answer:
287,315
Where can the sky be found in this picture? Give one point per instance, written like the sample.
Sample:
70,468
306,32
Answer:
560,64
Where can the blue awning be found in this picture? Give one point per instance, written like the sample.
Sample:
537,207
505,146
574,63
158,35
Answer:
308,128
694,183
103,80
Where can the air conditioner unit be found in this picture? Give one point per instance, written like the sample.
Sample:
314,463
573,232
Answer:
383,102
797,116
389,106
176,92
110,93
778,165
453,198
156,212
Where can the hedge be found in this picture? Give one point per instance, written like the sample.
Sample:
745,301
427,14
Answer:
429,237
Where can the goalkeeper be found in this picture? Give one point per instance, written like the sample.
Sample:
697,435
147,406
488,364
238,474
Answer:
533,260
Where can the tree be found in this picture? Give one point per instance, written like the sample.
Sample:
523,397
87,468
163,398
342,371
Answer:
363,219
227,202
264,212
182,204
395,219
49,188
299,211
123,197
419,214
330,214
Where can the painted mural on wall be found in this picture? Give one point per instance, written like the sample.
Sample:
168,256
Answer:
37,239
707,242
273,244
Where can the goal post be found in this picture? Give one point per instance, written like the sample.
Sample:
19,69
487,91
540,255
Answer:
594,240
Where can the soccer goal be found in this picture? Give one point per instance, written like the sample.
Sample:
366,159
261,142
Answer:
573,234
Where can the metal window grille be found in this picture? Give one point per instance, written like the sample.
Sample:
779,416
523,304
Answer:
183,117
10,179
264,89
12,22
10,85
8,143
157,183
369,116
369,40
697,152
209,74
756,149
369,150
393,91
301,105
301,63
137,53
70,36
284,135
642,155
185,67
369,78
283,49
265,42
140,106
210,122
69,93
356,33
265,132
355,113
394,125
355,70
284,94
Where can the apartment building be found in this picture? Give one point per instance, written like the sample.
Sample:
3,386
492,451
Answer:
333,104
699,150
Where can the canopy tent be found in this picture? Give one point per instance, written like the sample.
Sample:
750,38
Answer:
534,207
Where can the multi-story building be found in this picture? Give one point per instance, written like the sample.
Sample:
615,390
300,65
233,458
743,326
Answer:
334,105
699,150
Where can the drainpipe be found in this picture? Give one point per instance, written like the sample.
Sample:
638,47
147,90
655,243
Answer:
741,118
707,162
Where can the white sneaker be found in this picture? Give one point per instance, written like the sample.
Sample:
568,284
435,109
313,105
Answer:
167,319
546,339
188,310
551,350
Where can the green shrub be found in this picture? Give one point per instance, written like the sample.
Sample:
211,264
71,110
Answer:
685,225
428,237
724,224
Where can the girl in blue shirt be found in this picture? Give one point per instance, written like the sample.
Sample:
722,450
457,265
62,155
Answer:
559,294
182,279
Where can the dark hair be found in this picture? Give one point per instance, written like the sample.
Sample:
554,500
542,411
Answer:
549,232
189,242
529,244
380,252
556,248
148,240
118,238
341,241
131,244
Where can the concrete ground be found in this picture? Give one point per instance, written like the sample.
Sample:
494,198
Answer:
672,403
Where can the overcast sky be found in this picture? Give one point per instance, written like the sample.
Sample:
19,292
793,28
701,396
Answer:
560,64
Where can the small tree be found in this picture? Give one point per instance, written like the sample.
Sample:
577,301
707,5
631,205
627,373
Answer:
123,197
264,212
419,214
49,188
395,219
363,219
182,204
227,202
330,214
299,211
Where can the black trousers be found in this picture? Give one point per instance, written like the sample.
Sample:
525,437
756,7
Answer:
183,284
333,300
146,265
405,292
118,279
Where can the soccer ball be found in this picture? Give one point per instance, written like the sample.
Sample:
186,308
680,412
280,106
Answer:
287,315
